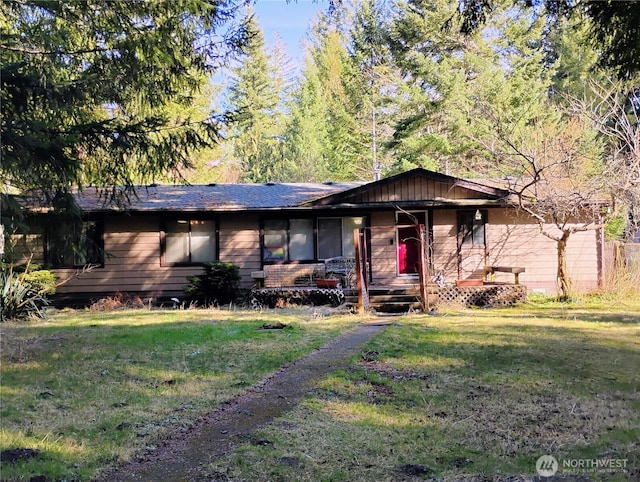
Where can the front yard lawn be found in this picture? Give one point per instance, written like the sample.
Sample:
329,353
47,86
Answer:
473,395
87,389
466,395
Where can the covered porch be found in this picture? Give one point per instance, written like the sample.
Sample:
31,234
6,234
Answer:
364,281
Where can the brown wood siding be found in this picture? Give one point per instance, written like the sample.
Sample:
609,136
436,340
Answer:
132,262
133,265
383,252
133,247
445,244
23,249
582,260
517,241
415,189
240,244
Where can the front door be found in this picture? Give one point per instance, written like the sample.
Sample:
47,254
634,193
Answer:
408,241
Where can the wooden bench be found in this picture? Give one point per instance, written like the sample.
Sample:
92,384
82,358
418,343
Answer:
491,270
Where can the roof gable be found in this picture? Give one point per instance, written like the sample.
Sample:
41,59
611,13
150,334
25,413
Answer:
410,186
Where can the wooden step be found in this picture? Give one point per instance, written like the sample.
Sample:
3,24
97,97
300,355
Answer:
395,307
394,298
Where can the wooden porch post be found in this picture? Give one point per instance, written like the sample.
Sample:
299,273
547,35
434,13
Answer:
361,269
424,270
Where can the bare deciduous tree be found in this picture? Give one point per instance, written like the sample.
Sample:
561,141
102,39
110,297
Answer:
555,172
614,112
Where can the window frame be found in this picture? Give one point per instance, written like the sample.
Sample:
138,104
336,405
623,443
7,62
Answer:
340,238
98,246
468,225
315,234
189,219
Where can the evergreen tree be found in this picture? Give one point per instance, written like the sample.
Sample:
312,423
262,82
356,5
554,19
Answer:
614,27
306,135
450,77
326,126
255,97
205,161
573,60
370,53
87,90
339,82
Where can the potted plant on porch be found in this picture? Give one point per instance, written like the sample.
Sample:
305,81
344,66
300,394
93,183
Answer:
329,282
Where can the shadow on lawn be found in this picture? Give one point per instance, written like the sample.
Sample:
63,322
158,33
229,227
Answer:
595,361
586,314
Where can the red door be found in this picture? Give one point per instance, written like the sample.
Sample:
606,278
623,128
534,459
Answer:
409,242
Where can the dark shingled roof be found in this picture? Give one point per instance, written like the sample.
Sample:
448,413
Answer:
216,197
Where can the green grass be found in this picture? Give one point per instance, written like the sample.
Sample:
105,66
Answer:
461,395
465,396
88,389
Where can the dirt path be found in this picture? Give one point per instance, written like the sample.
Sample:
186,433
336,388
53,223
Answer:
184,457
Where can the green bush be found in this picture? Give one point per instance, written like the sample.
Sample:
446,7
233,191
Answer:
217,286
20,299
43,281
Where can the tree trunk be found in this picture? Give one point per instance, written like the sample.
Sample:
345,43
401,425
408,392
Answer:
563,276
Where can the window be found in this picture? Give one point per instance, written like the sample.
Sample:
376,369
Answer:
301,239
275,240
295,239
329,238
288,240
76,245
335,236
348,243
189,241
472,227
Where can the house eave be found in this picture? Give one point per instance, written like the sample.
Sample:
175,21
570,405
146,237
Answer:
434,203
390,205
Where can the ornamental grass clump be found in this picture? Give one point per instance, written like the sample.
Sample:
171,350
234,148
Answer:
23,295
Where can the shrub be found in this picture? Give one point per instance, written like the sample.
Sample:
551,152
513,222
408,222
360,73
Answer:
42,281
20,299
218,285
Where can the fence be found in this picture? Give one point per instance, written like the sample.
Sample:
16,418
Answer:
622,268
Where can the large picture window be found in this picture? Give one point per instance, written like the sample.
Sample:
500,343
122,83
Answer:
189,241
75,246
275,240
298,239
301,239
329,238
335,237
288,240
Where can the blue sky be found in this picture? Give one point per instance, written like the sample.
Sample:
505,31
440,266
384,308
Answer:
290,21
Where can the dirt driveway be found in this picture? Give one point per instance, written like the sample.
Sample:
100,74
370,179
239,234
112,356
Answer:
184,458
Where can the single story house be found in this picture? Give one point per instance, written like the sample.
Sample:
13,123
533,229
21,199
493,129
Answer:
167,233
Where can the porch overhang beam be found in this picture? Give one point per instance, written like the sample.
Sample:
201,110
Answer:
466,203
